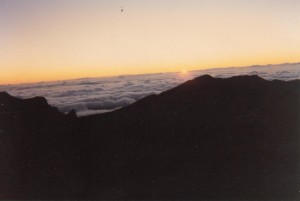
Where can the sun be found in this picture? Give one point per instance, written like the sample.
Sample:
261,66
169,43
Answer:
183,71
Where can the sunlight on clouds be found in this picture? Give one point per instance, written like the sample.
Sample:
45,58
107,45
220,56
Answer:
97,95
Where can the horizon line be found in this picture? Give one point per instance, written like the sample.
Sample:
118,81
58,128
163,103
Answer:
111,76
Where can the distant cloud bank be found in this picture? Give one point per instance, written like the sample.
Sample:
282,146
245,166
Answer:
98,95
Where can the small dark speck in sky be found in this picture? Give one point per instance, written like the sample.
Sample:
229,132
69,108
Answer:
122,9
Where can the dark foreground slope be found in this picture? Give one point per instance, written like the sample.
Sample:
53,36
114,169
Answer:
235,138
39,150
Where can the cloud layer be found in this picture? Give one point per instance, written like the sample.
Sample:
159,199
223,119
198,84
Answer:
98,95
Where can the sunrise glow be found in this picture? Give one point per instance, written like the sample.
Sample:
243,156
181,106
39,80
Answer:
183,71
65,39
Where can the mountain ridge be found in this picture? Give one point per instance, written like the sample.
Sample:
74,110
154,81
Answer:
208,138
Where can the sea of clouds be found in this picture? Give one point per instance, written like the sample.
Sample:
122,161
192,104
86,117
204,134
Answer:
98,95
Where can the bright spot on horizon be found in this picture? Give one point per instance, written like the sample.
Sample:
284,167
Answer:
185,74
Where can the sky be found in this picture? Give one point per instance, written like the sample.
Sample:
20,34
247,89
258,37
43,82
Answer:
43,40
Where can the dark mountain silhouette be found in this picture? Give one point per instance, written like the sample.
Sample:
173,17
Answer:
39,151
208,138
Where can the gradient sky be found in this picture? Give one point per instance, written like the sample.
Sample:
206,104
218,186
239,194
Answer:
42,40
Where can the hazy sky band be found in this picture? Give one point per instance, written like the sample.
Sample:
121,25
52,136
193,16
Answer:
61,39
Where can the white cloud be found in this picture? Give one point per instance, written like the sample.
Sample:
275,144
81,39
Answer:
97,95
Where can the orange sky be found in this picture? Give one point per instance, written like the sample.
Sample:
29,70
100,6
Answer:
54,40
